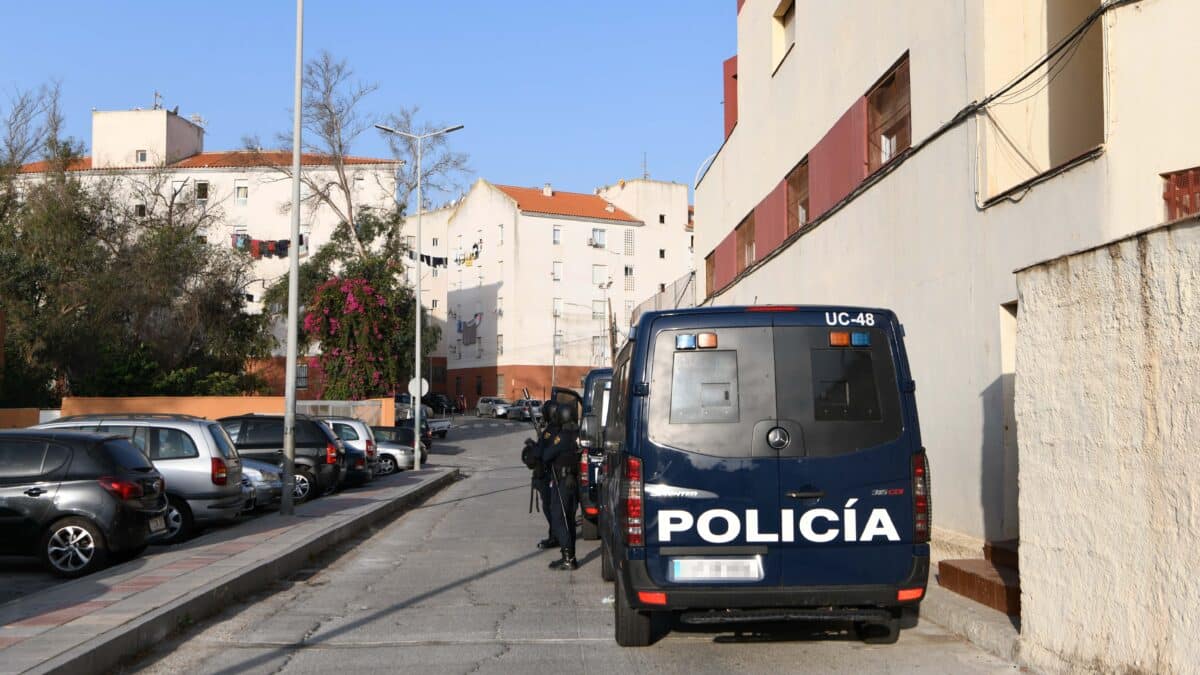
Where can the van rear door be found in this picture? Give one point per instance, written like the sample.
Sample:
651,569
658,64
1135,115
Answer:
712,512
848,478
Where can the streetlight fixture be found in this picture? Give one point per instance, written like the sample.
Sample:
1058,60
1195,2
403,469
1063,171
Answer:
416,398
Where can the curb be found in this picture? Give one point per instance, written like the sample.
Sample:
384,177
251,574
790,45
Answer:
982,626
108,650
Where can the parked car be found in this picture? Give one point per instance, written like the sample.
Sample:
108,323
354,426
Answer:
320,460
525,409
439,426
267,480
491,406
440,403
360,442
196,458
728,500
596,387
404,407
77,499
404,429
395,449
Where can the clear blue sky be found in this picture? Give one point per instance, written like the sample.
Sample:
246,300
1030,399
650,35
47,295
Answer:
560,91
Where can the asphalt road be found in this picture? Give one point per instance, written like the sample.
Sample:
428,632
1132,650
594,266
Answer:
456,586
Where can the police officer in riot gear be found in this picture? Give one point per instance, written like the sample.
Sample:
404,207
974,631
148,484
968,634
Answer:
561,457
541,473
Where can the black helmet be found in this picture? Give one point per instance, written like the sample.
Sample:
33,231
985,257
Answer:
565,415
549,412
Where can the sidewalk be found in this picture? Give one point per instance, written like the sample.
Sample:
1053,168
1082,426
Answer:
90,624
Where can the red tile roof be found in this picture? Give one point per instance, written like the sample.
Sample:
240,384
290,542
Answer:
577,204
235,159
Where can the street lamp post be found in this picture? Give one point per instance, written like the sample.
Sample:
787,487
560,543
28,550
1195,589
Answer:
289,387
416,398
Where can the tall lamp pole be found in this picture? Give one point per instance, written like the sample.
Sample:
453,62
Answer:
416,398
289,412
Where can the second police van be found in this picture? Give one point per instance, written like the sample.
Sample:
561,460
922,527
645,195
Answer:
765,464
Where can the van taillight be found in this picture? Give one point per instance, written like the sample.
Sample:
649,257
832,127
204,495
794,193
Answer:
632,503
330,453
921,506
583,470
219,473
120,487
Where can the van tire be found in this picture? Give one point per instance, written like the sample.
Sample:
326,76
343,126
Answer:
884,633
633,627
607,572
588,530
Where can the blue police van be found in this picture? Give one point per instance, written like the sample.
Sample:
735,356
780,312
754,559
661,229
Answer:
765,464
596,387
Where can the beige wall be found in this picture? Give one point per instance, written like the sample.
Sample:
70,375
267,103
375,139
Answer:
16,418
1108,375
210,407
918,241
118,135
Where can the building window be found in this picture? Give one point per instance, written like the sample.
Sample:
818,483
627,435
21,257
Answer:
1181,192
598,309
744,241
662,253
709,270
501,236
433,272
558,305
889,120
628,242
433,304
662,288
410,242
598,348
797,197
556,235
599,238
479,385
499,344
301,376
662,219
241,191
629,277
556,271
141,156
201,192
435,241
558,343
599,274
783,32
139,210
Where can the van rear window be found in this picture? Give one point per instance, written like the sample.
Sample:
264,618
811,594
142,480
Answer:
723,401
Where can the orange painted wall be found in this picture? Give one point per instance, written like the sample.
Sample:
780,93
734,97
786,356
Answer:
16,418
211,407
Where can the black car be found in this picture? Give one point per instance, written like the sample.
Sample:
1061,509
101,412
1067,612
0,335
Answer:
426,432
596,387
320,456
77,499
441,403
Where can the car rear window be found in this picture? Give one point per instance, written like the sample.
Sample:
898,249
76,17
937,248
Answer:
124,454
722,401
222,440
345,431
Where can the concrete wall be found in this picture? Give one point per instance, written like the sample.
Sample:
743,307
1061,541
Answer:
1108,379
16,418
919,241
211,407
118,135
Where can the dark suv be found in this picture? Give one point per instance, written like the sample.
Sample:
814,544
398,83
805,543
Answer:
320,459
596,386
76,499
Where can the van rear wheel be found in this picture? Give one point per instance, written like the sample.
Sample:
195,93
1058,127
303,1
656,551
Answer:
607,572
882,633
633,627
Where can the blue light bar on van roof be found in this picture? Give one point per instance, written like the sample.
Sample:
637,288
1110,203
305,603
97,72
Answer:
685,342
860,339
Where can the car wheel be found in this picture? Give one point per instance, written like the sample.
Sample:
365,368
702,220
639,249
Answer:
588,530
305,485
73,547
882,633
607,572
632,626
179,521
387,465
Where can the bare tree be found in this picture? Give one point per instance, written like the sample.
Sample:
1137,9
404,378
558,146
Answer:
32,125
442,169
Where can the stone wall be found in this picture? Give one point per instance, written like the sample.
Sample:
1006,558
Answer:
1107,384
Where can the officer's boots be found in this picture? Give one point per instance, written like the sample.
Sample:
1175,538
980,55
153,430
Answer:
567,562
547,543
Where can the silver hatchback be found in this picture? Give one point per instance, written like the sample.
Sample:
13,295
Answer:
195,456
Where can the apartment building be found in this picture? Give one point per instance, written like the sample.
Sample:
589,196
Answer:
158,156
541,282
913,155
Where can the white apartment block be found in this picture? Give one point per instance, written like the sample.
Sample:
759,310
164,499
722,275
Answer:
535,274
912,155
158,150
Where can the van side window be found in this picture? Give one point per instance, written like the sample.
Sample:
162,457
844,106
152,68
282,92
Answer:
704,387
136,435
171,444
844,386
619,400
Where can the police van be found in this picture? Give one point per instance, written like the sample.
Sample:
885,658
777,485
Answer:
596,388
765,464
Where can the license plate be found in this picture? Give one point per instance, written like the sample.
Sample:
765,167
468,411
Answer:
717,569
158,524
